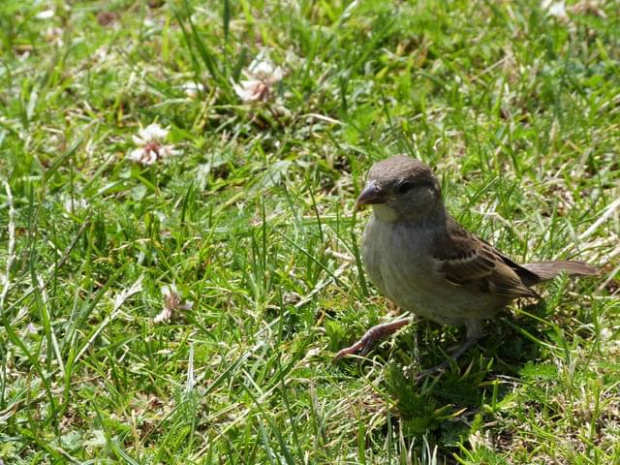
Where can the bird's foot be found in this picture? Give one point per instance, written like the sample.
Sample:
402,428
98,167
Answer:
438,370
374,334
443,366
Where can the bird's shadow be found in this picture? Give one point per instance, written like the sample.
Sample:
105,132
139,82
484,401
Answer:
447,402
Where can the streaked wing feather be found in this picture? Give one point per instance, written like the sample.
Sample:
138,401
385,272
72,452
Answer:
461,263
465,260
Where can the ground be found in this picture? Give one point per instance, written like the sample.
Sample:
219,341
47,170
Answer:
179,247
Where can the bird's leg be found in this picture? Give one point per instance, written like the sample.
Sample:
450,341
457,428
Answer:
475,331
474,334
469,342
374,334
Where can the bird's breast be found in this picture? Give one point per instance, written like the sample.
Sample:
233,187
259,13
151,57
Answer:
399,262
397,259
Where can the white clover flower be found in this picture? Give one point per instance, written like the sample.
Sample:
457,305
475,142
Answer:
172,304
261,76
151,149
45,14
163,317
555,9
153,132
74,204
192,88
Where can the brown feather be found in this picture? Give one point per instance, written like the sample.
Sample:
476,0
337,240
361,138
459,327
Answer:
466,260
551,269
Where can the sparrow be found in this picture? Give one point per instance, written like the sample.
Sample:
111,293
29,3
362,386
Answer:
420,258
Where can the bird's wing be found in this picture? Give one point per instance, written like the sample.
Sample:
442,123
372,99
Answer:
465,260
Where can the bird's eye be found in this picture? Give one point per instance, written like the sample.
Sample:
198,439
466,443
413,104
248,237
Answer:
405,186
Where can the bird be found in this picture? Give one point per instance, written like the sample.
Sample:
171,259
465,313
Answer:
423,260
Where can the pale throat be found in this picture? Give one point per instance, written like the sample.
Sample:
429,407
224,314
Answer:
386,214
433,217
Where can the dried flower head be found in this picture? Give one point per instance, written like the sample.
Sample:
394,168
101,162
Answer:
172,304
588,7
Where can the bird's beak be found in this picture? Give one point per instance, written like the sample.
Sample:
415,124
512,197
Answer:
372,194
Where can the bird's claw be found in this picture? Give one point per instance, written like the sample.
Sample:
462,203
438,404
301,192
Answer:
376,333
361,346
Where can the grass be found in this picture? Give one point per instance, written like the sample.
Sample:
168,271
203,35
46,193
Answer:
253,222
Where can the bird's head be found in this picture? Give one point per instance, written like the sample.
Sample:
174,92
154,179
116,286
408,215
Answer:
402,188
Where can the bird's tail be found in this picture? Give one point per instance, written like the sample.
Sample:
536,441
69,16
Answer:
550,269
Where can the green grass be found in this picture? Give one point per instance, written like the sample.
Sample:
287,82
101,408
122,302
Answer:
253,222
